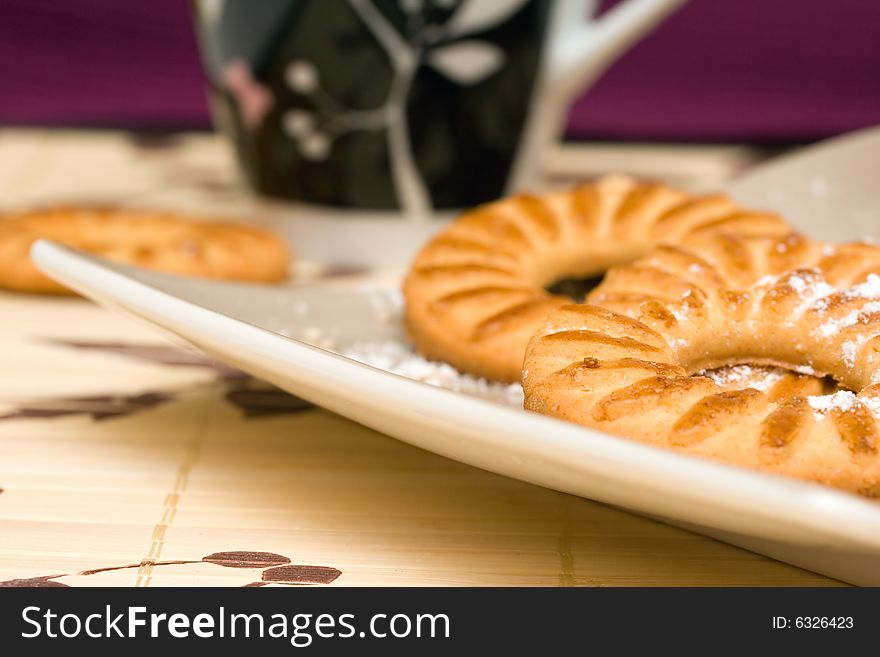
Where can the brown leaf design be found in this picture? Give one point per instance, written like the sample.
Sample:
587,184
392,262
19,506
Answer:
253,397
100,407
276,569
246,559
259,399
297,574
44,581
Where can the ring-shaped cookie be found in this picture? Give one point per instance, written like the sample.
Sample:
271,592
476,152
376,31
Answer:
145,238
628,366
476,293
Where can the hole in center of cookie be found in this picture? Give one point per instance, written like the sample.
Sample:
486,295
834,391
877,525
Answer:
575,289
779,381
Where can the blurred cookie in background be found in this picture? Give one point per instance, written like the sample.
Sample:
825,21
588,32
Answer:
151,239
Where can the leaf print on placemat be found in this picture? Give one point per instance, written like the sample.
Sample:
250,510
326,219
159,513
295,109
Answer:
99,407
44,581
244,559
299,575
257,398
253,397
276,569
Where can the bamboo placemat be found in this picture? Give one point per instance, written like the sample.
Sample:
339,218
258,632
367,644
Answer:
128,460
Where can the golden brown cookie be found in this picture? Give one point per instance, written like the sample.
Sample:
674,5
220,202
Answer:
145,238
632,365
475,294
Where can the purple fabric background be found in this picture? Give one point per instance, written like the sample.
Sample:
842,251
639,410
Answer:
737,70
100,62
744,70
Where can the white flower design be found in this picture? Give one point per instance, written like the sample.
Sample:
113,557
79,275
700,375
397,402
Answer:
442,46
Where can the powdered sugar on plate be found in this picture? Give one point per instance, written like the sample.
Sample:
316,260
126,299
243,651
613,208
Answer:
398,358
314,335
387,303
386,349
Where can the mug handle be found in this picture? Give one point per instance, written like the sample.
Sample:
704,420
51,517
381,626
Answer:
579,51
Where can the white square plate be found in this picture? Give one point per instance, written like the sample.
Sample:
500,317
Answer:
828,190
263,331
